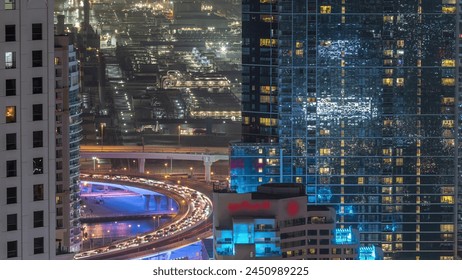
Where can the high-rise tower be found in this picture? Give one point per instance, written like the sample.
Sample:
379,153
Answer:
356,100
27,130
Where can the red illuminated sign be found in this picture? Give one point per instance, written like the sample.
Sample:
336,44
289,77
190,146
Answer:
293,208
252,206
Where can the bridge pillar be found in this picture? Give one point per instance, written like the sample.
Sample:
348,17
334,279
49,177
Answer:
208,167
157,198
141,163
147,199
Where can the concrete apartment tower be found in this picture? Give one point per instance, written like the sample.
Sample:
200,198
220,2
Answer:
27,130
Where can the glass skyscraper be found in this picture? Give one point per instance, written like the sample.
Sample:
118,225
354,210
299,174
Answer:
356,99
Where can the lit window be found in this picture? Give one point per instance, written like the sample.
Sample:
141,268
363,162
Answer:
10,114
399,82
388,19
268,89
260,160
360,180
260,170
386,247
399,162
10,4
387,180
387,152
10,60
447,199
326,43
264,42
399,180
260,179
448,101
388,82
267,18
389,72
448,123
448,9
400,43
324,152
388,53
325,9
265,99
324,170
324,132
299,53
447,228
448,63
268,121
448,81
388,62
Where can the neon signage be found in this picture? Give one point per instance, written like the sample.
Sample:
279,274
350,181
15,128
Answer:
251,206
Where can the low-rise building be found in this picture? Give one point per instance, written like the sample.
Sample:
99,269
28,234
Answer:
275,222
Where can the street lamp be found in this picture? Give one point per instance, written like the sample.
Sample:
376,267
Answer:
191,170
165,164
179,135
94,162
102,127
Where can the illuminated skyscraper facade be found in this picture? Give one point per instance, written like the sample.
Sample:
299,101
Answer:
356,100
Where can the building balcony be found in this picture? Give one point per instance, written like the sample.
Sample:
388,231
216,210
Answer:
224,241
274,240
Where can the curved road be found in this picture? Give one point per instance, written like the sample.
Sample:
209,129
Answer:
193,221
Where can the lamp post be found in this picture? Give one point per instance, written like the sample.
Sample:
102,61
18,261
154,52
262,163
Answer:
102,127
179,135
191,170
165,165
94,162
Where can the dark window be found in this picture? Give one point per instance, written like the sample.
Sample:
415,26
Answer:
324,232
12,249
10,114
10,87
37,59
10,33
37,112
324,242
36,31
38,165
38,245
11,168
312,242
11,195
38,192
11,141
312,232
324,251
38,219
37,139
12,222
37,85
